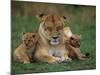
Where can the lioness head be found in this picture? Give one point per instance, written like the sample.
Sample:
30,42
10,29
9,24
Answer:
75,41
51,28
29,39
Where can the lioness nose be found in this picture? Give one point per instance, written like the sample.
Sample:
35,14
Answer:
55,37
78,45
26,44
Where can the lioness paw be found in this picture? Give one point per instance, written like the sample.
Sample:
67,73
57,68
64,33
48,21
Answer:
58,60
68,60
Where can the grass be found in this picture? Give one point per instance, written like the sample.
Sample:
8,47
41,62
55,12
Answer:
88,44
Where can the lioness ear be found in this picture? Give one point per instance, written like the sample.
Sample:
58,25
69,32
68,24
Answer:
33,35
41,16
64,18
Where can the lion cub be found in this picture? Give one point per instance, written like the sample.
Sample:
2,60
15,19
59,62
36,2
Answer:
24,52
73,44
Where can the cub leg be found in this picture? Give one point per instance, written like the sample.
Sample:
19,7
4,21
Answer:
26,59
22,57
78,53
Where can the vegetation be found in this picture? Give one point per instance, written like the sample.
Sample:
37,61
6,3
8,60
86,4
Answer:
82,21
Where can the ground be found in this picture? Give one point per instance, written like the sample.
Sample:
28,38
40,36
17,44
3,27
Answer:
21,24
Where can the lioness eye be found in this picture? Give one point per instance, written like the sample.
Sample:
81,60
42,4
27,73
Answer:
59,28
49,28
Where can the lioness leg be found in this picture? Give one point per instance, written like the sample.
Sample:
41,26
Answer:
65,56
45,57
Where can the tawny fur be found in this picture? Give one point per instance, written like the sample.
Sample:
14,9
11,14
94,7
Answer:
47,50
23,53
73,44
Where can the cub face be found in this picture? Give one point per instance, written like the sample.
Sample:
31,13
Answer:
75,41
29,39
52,27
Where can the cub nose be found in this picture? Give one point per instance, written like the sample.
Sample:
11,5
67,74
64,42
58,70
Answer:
78,45
26,44
55,37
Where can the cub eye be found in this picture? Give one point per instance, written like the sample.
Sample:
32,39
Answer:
29,40
72,38
33,36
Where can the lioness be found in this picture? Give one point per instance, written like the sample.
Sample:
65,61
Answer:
51,47
24,52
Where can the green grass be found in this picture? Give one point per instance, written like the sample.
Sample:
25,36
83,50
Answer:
88,44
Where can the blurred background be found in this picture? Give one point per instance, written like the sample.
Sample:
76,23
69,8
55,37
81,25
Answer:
34,8
77,13
81,19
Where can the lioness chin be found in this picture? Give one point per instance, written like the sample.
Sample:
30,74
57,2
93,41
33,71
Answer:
51,47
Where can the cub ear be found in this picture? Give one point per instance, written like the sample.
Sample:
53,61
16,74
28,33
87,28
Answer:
80,35
23,33
41,16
